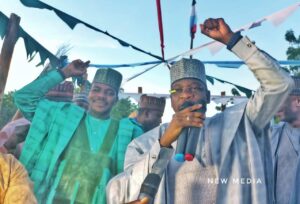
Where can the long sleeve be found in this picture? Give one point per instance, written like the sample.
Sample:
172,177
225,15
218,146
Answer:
275,84
16,186
27,98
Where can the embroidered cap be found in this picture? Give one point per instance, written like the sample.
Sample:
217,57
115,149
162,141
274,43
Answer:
296,90
188,69
109,77
151,102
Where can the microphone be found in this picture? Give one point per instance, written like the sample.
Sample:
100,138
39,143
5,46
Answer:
150,186
191,145
151,183
180,147
186,143
193,135
182,139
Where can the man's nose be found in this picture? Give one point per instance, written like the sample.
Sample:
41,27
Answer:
101,94
187,93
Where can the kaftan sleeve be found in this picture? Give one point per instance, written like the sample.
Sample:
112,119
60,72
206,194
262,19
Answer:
28,98
275,84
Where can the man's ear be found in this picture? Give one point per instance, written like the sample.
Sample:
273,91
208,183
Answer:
207,96
298,100
116,101
146,112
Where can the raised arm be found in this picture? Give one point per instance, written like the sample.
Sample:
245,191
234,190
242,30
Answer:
27,98
275,84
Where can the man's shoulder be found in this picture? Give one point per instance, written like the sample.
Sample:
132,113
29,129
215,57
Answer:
278,125
127,123
152,135
135,122
232,112
276,129
8,163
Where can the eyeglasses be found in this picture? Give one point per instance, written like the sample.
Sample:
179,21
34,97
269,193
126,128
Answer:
190,90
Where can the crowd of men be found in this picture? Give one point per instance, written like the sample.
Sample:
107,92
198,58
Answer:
71,150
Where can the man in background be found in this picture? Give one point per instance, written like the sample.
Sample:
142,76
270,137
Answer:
150,112
285,144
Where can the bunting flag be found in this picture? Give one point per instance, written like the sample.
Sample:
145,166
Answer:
31,45
237,64
193,20
246,91
275,18
3,24
213,46
140,73
123,65
72,22
221,64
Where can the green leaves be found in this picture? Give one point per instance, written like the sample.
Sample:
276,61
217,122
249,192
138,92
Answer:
123,108
293,51
8,109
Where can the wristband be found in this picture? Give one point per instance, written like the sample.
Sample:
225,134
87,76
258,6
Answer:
61,73
234,40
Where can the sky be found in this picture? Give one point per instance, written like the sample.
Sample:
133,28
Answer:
135,21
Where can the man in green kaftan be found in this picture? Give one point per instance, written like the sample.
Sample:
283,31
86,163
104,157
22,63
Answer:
71,153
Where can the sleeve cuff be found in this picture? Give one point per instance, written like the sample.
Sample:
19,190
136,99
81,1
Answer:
61,73
169,147
244,48
234,40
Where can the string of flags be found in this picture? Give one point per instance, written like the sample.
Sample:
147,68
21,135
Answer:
33,47
275,18
72,22
214,46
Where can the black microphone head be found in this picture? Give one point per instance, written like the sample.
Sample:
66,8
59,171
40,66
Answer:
190,103
203,108
150,185
186,104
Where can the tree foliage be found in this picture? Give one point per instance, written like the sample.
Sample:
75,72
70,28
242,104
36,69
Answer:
8,109
123,108
293,51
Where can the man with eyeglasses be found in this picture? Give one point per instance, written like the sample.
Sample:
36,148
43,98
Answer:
232,161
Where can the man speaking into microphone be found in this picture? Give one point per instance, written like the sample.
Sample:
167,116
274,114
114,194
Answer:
232,147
